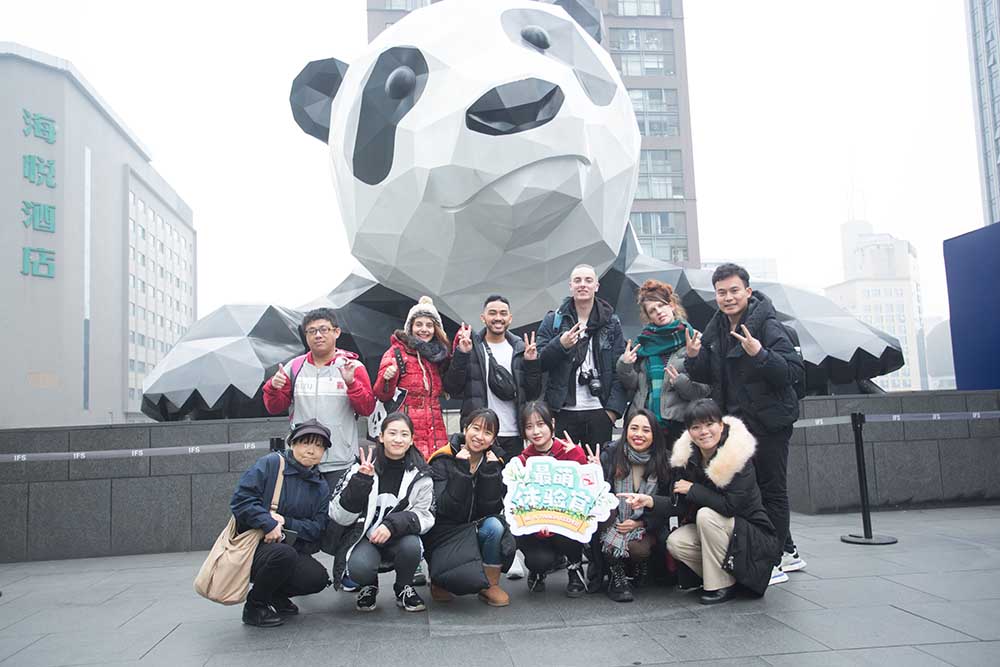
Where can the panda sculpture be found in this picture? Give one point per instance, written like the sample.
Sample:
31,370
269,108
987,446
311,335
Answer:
478,146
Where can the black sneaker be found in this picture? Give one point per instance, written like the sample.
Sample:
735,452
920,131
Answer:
366,598
575,586
261,615
284,606
419,578
536,582
408,600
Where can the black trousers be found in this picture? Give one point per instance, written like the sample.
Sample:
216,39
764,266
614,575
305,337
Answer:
334,531
542,553
590,427
510,445
403,553
279,570
771,463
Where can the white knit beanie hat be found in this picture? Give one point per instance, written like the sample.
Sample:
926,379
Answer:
424,308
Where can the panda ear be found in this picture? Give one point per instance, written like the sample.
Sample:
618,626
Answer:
584,12
312,95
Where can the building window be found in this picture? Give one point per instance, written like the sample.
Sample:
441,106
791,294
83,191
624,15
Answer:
406,5
660,175
639,52
131,364
140,366
142,232
657,111
659,223
644,8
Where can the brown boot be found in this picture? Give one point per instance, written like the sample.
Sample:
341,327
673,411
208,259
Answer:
439,594
494,596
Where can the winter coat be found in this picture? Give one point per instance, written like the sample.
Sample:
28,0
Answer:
561,451
320,393
604,335
728,485
466,376
674,398
303,500
462,500
422,382
354,504
765,383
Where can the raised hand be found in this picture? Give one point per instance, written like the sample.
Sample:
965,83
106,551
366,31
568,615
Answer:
465,338
672,374
491,457
593,455
349,369
463,454
367,462
750,344
637,500
631,354
389,372
569,440
692,343
530,347
280,378
571,336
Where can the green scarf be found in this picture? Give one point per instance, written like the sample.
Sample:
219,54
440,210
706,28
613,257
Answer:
658,343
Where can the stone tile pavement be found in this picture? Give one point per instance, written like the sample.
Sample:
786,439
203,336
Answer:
932,599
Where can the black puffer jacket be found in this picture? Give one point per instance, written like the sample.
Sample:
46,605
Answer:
765,391
605,335
466,376
462,499
728,485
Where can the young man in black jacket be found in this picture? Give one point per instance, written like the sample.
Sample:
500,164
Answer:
752,366
468,375
579,345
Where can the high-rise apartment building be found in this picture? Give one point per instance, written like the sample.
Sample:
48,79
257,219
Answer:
97,251
882,289
646,41
984,35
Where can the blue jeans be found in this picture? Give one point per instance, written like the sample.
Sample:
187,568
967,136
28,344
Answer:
490,534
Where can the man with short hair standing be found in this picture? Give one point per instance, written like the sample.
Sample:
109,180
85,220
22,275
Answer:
752,366
495,369
579,344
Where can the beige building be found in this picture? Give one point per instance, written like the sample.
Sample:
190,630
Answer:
646,42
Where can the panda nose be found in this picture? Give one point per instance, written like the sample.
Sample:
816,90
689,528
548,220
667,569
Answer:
515,107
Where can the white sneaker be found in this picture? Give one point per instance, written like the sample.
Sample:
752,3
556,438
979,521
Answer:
516,570
791,562
777,576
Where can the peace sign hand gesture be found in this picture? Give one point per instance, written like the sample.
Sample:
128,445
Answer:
571,336
631,354
692,343
750,344
530,347
465,338
367,458
593,455
672,374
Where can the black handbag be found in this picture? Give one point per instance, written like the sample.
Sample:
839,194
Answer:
499,379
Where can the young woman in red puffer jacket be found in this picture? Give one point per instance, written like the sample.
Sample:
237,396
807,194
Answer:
423,348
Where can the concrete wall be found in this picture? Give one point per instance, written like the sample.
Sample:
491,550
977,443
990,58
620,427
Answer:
908,463
84,508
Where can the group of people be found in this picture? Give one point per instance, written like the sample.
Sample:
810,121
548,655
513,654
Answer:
699,467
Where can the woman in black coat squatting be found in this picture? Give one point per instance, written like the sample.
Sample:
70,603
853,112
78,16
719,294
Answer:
637,463
727,538
465,547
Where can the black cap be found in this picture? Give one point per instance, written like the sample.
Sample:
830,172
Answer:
310,427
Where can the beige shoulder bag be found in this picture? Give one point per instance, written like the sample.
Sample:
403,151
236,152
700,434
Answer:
225,575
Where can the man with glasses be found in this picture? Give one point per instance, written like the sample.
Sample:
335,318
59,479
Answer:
328,385
751,363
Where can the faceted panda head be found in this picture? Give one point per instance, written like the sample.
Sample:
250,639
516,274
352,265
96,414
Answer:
479,147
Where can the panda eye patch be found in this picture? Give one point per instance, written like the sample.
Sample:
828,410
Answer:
536,36
400,83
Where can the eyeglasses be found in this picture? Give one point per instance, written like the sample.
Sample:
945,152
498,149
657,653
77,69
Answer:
322,331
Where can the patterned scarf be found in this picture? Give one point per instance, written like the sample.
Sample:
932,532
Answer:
658,343
613,543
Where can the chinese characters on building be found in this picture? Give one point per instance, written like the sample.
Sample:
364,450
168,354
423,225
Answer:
38,216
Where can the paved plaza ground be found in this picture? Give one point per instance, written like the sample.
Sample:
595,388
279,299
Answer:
931,599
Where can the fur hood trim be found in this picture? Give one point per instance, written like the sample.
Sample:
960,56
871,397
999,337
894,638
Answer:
731,457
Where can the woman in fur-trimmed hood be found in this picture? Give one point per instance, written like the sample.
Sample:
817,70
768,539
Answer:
416,360
726,536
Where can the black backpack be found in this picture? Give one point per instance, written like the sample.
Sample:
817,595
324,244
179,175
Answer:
799,386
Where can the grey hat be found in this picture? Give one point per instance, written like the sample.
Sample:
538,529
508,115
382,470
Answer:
310,427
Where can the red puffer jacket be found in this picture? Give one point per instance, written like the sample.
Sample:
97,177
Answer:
422,382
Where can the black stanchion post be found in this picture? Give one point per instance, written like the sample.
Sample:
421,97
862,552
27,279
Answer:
858,424
277,444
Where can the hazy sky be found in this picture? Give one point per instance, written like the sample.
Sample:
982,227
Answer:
795,106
